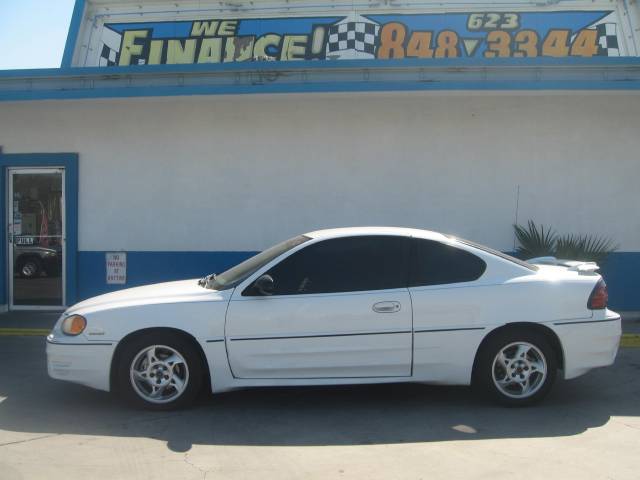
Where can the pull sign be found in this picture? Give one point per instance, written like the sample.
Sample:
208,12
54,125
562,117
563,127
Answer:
116,267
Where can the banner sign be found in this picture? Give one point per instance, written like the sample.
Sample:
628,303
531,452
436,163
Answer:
483,35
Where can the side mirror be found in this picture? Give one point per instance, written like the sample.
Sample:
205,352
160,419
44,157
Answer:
265,285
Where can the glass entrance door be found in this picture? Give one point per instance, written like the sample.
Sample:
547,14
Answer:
36,238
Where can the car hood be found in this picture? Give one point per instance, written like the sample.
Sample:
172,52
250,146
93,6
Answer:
183,291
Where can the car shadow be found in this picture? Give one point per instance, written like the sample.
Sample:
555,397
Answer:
353,415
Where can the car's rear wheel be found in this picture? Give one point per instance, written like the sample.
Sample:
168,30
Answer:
160,371
517,368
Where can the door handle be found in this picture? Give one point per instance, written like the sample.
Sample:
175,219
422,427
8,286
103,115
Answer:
386,307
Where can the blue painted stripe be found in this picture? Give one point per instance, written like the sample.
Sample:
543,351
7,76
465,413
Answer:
340,87
620,271
330,76
74,32
391,64
152,267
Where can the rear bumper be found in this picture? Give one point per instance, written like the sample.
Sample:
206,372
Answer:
589,344
84,363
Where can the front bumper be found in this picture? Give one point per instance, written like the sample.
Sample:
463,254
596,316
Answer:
589,344
80,362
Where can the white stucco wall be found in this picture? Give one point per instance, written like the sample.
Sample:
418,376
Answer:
240,173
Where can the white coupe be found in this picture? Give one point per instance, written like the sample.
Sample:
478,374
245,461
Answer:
345,306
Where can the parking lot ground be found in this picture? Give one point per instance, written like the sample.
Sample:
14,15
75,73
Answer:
587,428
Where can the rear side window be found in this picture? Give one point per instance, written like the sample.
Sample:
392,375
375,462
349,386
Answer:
351,264
435,263
504,256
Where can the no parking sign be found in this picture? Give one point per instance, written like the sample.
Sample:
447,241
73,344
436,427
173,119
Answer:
116,266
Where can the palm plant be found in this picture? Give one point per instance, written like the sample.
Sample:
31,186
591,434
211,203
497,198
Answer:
544,241
584,247
534,241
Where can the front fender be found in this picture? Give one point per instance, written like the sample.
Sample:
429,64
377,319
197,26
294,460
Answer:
202,320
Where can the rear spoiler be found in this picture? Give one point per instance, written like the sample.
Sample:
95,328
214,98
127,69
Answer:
571,265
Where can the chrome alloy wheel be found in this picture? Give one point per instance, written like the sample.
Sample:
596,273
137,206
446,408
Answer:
519,370
159,374
29,269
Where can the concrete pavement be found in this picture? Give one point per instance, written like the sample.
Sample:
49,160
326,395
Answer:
588,428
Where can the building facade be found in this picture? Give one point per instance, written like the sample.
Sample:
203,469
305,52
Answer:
178,138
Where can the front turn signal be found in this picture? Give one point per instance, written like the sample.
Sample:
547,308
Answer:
74,325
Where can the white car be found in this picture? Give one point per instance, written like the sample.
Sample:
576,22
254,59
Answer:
345,306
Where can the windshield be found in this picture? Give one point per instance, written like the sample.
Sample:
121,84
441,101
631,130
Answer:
497,253
237,274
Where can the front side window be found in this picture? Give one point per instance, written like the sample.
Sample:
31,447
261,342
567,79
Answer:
240,272
351,264
435,263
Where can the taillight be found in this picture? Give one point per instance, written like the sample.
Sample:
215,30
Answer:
599,297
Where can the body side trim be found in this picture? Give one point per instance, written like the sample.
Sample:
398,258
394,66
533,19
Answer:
320,335
449,329
589,321
79,344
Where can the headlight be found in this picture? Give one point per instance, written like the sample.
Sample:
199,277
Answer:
74,325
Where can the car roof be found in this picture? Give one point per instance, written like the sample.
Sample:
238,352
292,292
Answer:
485,253
357,231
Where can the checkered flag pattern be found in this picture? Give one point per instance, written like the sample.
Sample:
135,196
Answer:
108,57
608,40
110,49
358,36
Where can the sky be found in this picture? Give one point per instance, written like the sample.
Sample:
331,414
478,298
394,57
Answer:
33,32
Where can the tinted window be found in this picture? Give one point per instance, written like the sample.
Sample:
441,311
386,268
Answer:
237,274
504,256
435,263
343,265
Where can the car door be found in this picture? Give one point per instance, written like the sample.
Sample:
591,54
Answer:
451,308
340,308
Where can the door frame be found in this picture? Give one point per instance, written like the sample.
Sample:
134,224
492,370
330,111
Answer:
237,297
68,162
11,171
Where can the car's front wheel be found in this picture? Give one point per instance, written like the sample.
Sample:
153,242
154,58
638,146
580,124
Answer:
160,371
517,368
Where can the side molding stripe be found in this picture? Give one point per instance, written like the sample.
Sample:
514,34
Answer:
589,321
319,336
80,344
450,330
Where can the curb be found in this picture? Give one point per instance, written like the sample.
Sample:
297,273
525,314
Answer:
628,340
24,332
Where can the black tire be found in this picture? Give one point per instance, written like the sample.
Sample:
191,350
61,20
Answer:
182,345
29,267
484,371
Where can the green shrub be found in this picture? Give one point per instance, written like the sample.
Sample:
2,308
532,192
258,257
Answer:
586,248
541,241
534,241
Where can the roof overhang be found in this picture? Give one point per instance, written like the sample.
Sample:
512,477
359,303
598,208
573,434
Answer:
309,76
